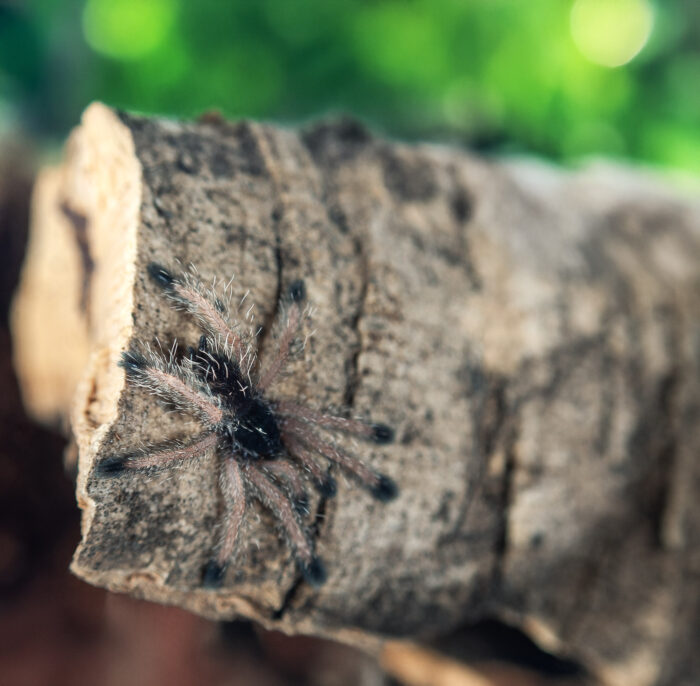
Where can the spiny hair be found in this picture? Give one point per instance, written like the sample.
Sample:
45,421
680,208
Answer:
269,448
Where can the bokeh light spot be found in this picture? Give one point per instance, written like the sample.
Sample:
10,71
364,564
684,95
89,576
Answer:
127,29
611,32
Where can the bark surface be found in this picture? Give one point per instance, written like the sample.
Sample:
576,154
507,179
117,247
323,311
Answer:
532,334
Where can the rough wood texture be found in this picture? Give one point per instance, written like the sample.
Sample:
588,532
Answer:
531,333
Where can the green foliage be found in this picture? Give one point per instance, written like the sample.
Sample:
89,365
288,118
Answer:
492,73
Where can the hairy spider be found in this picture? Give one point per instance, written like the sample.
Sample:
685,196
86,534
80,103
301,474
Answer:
268,449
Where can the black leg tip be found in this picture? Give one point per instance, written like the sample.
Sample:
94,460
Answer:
382,434
112,466
160,275
301,504
297,291
132,362
314,572
328,487
385,489
213,574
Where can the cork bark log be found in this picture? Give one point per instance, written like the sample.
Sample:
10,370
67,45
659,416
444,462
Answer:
532,334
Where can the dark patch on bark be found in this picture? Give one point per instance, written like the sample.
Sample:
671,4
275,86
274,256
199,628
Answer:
352,365
221,163
189,153
339,218
238,153
333,143
452,250
408,179
504,510
491,413
462,205
654,441
250,149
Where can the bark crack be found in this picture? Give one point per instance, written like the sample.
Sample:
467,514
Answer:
506,500
79,222
338,219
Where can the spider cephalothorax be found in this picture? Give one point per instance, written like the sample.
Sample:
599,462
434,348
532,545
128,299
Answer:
268,448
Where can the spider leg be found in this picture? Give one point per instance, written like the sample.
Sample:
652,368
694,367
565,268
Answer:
207,309
378,433
297,293
325,483
380,486
171,383
233,491
113,466
286,470
281,507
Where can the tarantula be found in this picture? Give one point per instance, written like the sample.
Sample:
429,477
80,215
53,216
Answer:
268,449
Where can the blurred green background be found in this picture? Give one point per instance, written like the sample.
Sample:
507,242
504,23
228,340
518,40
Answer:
559,78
